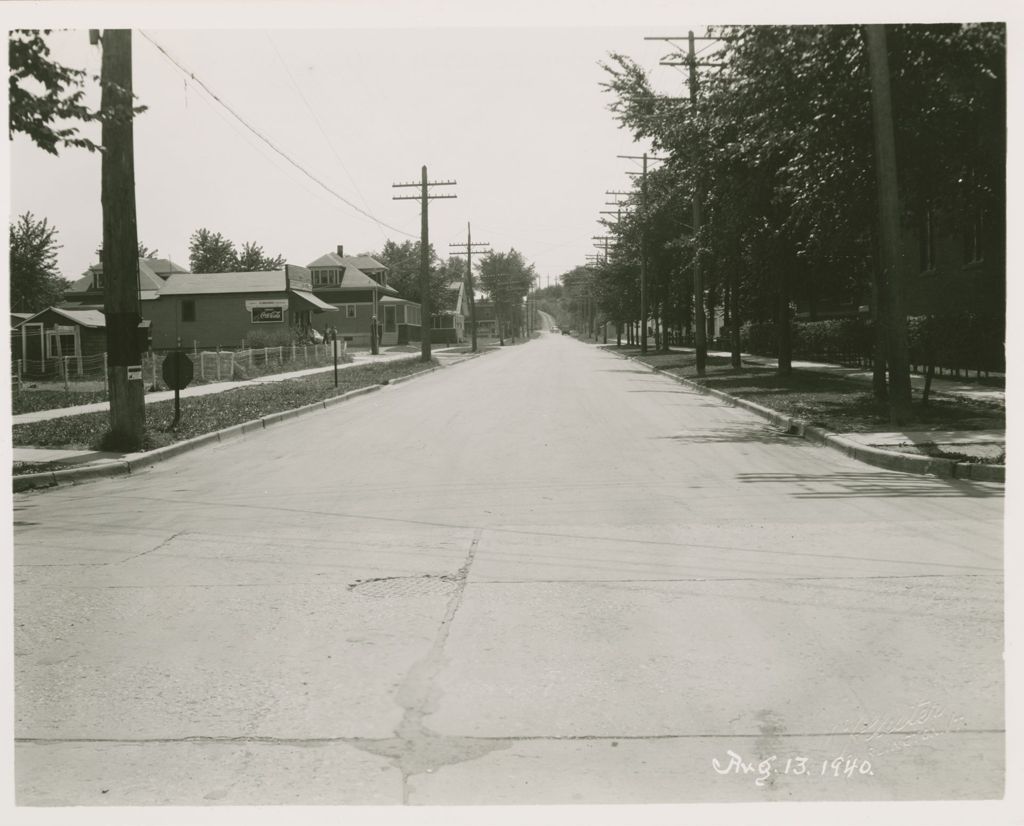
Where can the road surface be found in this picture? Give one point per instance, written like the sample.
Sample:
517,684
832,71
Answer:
544,575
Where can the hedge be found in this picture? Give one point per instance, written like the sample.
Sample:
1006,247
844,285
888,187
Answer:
956,342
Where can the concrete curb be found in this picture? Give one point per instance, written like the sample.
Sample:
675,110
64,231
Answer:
905,462
135,463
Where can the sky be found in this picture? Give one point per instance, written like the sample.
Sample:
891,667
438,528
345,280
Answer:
505,99
516,116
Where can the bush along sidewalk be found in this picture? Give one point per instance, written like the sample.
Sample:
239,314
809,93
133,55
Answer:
207,414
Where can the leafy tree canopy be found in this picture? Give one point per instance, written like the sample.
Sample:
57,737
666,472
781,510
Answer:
36,282
46,98
506,277
403,263
210,252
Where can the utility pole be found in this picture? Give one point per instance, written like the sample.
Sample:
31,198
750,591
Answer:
469,276
120,244
604,239
643,246
700,322
426,310
889,224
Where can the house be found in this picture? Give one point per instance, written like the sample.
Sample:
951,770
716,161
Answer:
486,319
45,340
358,287
207,310
87,291
450,319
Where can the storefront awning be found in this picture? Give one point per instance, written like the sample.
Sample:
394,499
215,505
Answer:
313,301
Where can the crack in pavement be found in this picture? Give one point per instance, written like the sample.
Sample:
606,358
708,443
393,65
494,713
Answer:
414,749
367,743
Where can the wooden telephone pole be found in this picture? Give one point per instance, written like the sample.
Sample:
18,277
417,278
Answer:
120,245
469,246
426,310
700,322
700,319
643,245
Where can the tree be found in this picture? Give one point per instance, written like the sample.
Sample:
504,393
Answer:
253,259
506,277
403,263
35,280
211,252
44,95
781,131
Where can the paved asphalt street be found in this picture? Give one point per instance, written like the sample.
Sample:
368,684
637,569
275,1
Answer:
540,576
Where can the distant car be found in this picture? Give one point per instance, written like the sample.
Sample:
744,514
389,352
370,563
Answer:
566,332
554,329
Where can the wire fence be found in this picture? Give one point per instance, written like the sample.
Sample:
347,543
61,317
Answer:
83,372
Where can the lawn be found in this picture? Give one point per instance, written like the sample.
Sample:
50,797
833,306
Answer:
205,414
836,404
51,396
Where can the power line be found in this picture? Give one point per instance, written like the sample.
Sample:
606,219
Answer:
319,125
268,142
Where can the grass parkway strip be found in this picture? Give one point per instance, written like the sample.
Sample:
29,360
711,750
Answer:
207,414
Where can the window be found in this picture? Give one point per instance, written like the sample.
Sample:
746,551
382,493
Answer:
188,310
60,342
326,277
350,311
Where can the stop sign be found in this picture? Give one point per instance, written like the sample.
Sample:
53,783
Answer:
177,370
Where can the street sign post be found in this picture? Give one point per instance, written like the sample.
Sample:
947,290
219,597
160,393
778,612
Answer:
177,372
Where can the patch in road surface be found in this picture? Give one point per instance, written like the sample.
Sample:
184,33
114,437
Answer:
405,586
414,749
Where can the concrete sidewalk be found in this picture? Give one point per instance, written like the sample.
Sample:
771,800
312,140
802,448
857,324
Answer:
935,451
215,387
90,461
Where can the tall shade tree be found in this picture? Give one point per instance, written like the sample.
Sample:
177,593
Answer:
403,263
211,252
36,282
779,130
506,277
46,99
253,259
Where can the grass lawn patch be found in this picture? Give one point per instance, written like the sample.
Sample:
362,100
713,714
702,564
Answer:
206,414
29,401
833,403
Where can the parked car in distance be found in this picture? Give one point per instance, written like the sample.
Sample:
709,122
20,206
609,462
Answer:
566,332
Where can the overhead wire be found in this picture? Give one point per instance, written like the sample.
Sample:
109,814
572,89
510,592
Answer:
319,125
198,81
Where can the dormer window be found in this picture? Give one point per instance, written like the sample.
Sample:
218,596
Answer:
97,280
326,277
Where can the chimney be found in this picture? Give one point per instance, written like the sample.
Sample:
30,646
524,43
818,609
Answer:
341,250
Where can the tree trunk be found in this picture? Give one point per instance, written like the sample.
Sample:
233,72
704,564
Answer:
784,338
735,358
897,351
